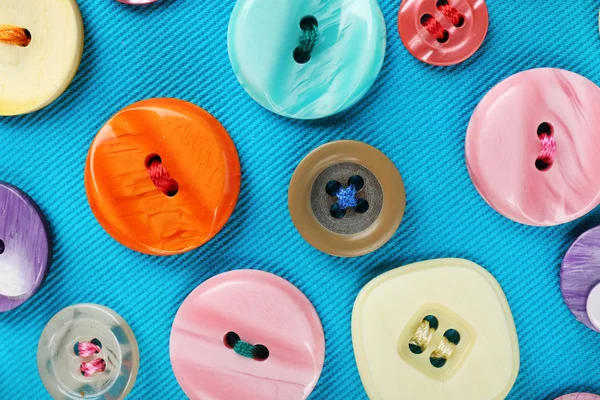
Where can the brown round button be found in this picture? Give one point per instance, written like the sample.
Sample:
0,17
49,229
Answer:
346,198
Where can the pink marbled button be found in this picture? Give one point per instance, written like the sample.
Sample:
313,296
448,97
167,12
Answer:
464,24
261,308
503,146
579,396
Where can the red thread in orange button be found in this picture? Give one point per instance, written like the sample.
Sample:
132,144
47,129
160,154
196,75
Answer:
162,176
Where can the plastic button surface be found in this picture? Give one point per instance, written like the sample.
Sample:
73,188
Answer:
260,308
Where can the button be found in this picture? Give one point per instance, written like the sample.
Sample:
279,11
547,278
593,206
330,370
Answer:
579,396
443,32
438,329
136,2
41,43
304,59
580,276
532,147
162,176
346,198
25,249
247,335
88,351
593,306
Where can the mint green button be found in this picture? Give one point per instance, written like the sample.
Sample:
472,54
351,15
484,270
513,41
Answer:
306,59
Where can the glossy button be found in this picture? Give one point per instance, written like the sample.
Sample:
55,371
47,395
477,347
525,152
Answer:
90,338
580,277
25,249
34,76
136,2
443,32
306,59
532,147
438,329
162,176
222,324
593,306
579,396
339,222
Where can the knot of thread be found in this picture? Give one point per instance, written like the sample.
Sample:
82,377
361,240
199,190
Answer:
423,335
548,148
161,178
308,39
89,368
451,13
86,349
244,349
347,197
434,28
445,349
12,34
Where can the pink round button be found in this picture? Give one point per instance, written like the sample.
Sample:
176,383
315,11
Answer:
247,335
442,32
579,396
532,147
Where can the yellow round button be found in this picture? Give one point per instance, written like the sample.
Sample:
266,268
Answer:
41,43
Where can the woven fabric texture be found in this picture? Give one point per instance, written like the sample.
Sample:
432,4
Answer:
415,113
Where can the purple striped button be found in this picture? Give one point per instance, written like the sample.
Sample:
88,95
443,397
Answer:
25,250
580,274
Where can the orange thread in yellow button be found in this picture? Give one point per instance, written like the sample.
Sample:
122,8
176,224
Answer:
162,176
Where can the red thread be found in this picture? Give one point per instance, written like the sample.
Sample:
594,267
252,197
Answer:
90,368
87,349
161,178
548,151
435,28
452,14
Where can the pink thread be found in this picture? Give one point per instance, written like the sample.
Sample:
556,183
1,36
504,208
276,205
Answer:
90,368
87,349
548,151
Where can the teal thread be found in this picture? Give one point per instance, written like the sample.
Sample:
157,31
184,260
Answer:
244,349
308,39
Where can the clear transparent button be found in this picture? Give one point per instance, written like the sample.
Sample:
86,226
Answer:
88,351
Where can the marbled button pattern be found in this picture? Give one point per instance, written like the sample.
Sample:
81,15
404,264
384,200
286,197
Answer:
197,152
25,250
261,308
502,146
345,61
580,274
579,396
59,365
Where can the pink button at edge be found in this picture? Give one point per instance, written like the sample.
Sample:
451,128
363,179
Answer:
502,146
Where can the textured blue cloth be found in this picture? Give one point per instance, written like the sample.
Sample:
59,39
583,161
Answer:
415,113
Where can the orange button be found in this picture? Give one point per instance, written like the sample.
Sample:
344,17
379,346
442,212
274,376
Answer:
162,176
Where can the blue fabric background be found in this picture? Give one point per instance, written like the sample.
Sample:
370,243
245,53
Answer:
415,113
